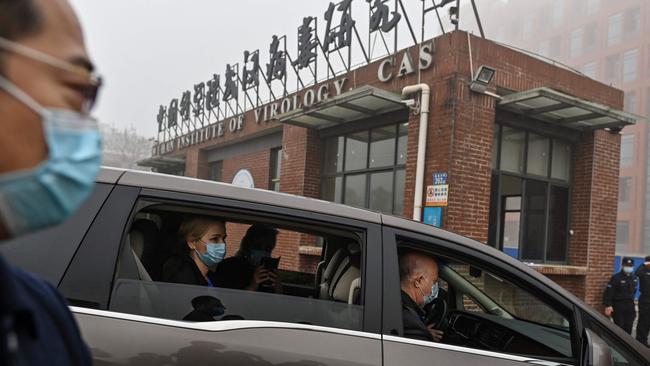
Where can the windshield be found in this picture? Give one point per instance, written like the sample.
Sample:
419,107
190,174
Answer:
485,292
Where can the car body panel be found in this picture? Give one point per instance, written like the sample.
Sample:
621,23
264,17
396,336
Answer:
221,343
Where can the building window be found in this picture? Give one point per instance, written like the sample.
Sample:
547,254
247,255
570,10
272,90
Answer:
593,6
612,68
630,65
530,194
627,150
557,12
632,23
274,173
622,234
624,193
591,69
366,168
629,102
615,29
216,170
556,47
575,47
591,38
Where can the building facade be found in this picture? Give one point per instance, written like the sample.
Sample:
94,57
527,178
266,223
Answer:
605,40
531,164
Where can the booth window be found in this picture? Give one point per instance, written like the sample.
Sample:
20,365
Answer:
366,168
274,173
216,169
530,195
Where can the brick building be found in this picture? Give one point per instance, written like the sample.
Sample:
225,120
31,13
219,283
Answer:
606,41
532,164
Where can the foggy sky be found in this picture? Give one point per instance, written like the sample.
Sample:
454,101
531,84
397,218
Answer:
150,51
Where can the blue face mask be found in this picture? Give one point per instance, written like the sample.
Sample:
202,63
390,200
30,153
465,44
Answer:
214,254
256,256
434,294
48,194
628,270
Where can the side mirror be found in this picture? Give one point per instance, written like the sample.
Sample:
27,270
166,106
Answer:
595,352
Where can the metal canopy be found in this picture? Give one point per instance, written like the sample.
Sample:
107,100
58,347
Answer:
364,102
162,162
550,106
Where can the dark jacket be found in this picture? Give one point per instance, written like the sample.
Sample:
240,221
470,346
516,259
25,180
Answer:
413,320
620,288
643,272
234,272
38,317
182,269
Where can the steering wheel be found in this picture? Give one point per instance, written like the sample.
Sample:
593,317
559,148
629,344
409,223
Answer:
437,312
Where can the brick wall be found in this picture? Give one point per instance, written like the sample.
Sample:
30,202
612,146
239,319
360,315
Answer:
460,131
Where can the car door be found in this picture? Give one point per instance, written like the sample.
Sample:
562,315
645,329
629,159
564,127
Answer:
485,315
99,283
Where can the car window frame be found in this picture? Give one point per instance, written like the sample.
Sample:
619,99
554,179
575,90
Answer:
371,261
98,252
56,245
392,322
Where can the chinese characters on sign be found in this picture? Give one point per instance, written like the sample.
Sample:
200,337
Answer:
210,102
438,193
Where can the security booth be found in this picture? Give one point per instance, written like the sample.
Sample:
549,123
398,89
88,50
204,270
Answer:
458,132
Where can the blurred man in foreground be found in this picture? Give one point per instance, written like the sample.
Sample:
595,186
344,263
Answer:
49,158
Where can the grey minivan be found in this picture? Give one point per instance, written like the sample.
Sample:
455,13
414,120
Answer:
339,302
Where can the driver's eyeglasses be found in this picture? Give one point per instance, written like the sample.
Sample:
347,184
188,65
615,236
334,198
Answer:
92,82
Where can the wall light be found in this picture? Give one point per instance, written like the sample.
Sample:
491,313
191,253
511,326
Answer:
482,79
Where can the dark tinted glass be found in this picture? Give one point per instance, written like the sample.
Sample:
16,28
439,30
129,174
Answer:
332,189
356,151
402,140
355,190
333,154
381,191
557,224
382,146
398,207
48,252
532,247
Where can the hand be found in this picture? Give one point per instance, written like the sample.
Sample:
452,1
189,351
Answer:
262,275
609,310
435,333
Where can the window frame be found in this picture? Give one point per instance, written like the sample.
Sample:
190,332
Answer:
371,252
367,172
275,166
525,176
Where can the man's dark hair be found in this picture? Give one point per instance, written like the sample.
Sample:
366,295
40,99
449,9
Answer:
18,18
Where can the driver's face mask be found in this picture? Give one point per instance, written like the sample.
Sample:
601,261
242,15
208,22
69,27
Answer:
434,294
49,193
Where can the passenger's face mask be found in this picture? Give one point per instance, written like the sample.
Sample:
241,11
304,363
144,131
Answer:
49,193
256,256
214,254
628,269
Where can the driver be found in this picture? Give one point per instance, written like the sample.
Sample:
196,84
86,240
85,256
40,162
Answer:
418,274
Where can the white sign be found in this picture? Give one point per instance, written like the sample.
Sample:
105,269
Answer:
243,178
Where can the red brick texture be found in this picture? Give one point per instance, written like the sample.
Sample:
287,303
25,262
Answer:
460,131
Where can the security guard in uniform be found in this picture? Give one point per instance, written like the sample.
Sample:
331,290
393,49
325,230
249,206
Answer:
643,325
619,295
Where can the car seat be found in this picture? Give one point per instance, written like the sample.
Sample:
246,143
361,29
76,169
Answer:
341,278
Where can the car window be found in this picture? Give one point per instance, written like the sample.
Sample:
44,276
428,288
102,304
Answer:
489,312
324,291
